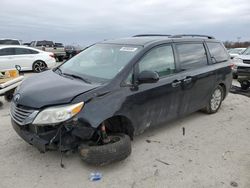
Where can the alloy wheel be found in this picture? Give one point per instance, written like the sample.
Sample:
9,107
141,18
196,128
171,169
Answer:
39,66
216,99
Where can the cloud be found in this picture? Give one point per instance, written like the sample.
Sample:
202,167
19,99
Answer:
86,22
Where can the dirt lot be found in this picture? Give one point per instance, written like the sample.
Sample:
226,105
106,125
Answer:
214,152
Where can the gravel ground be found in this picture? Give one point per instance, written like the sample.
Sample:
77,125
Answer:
214,152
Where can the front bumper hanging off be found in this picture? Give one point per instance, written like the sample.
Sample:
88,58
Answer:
49,140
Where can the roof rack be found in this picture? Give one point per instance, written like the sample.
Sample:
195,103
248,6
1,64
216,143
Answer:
151,35
191,35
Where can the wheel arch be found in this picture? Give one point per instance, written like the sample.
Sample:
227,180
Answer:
120,124
224,89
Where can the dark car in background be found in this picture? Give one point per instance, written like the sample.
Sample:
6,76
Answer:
116,89
72,50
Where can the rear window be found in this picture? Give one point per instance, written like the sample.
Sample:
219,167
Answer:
21,51
191,55
59,45
9,42
217,51
45,43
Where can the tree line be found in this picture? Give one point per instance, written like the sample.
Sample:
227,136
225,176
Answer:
230,44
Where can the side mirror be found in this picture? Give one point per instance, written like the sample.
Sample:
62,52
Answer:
148,77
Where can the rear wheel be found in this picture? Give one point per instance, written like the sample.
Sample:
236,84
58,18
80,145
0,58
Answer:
235,76
60,58
117,149
9,95
245,84
39,66
215,100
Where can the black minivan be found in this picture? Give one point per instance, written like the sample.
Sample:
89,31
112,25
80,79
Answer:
98,100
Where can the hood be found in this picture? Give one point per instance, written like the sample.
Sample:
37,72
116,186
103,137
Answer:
245,57
49,88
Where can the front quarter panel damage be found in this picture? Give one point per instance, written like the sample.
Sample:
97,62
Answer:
100,107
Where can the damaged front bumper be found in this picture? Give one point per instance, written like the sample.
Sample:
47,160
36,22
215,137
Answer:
48,139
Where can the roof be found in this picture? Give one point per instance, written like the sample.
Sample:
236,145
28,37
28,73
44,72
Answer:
142,40
18,46
8,39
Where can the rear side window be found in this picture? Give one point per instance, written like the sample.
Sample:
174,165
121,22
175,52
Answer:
59,45
45,43
7,51
160,60
217,51
21,51
191,55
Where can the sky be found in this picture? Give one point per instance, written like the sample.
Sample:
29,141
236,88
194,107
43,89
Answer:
85,22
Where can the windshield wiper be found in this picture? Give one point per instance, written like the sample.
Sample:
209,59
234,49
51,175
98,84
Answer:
58,70
78,77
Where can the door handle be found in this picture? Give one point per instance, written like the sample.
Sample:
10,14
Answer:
176,83
187,80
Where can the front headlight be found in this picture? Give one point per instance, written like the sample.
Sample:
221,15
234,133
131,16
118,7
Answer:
237,60
57,114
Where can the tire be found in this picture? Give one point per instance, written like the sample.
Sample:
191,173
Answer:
235,76
9,95
244,85
215,100
108,153
60,58
39,66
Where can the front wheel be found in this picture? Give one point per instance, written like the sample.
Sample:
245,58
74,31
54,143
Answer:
245,84
9,95
215,100
117,149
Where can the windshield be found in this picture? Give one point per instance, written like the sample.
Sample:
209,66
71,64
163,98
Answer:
100,62
246,52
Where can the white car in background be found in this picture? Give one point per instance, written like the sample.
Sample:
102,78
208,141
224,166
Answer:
234,52
9,41
241,63
27,58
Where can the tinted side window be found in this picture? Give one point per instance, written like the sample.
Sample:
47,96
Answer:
191,55
58,45
45,43
217,51
160,60
21,51
33,52
7,51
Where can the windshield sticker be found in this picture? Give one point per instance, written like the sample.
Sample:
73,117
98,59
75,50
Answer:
128,49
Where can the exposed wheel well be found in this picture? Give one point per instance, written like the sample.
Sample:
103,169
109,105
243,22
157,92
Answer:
120,124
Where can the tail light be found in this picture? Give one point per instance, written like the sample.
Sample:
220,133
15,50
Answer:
232,66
